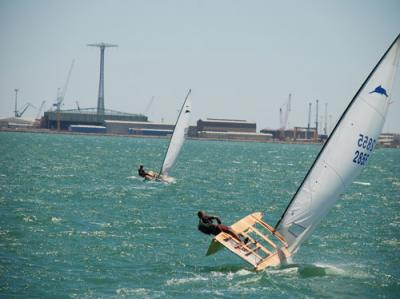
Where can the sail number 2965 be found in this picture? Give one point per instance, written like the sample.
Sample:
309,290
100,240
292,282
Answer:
365,147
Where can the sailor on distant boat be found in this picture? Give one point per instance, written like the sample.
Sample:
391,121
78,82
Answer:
143,173
207,226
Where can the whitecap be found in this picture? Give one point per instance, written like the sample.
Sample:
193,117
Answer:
393,242
250,280
330,269
198,160
362,183
30,218
55,219
139,293
180,281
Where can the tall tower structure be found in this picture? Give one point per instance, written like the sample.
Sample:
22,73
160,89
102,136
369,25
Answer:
309,120
100,99
316,116
326,119
16,105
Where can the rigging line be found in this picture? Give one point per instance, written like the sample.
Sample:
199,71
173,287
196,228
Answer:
334,129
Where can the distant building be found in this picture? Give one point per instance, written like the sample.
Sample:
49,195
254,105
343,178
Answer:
88,116
225,125
243,136
229,129
135,127
15,123
150,132
296,134
389,140
87,129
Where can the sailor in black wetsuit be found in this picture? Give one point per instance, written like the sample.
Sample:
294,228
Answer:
141,171
207,226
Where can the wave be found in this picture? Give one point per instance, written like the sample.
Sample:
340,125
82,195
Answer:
362,183
180,281
140,293
318,270
55,220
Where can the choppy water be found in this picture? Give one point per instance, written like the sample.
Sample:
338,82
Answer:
76,221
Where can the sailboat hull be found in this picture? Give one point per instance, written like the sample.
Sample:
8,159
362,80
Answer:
153,176
266,247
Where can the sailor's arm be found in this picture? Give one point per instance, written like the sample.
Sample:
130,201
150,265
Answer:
216,218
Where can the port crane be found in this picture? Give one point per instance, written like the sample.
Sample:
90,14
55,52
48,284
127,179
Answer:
60,96
17,113
40,110
284,116
148,106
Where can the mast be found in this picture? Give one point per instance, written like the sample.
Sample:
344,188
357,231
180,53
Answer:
169,145
334,130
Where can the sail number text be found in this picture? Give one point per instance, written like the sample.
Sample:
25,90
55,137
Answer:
365,144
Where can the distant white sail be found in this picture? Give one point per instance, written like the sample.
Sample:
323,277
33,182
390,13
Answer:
178,137
344,154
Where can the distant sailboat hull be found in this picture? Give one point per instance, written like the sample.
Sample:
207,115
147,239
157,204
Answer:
154,176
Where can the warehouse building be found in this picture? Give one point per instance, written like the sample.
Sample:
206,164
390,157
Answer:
243,136
229,129
226,125
137,127
90,116
296,134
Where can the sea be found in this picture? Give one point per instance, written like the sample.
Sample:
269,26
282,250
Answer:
76,221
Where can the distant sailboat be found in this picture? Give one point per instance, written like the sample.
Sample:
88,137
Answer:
340,160
176,142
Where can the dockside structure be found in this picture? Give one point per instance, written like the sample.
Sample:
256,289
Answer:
226,125
87,116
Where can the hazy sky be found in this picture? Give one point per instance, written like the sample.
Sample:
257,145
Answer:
240,58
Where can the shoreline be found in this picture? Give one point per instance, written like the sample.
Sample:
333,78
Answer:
48,131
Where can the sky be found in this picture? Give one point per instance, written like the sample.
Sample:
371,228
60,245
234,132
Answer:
240,58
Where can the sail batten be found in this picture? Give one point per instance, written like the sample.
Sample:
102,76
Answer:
343,155
178,136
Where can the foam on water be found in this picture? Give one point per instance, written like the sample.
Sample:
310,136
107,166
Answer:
362,183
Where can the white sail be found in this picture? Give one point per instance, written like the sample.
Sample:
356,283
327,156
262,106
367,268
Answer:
344,154
178,137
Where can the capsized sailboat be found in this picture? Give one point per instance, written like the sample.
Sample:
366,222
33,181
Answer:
176,142
343,156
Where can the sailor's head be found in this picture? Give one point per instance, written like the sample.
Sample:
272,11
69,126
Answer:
200,214
141,166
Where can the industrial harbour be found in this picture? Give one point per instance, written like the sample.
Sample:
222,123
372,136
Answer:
190,149
100,120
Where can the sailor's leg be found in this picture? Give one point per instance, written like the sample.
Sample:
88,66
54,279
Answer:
228,230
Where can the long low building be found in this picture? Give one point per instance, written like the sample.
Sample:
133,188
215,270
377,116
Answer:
234,136
88,116
124,127
226,125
